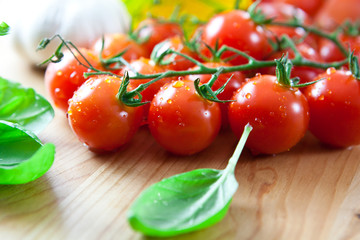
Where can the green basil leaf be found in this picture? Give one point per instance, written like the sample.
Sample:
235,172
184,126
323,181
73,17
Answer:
4,28
186,202
183,203
23,158
24,106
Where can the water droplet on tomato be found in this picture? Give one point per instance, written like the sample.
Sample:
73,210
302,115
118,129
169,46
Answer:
330,70
271,114
59,73
169,101
321,97
282,108
258,75
187,88
248,95
178,84
123,114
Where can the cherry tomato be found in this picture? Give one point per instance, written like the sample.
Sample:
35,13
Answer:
98,118
177,63
306,74
283,12
117,43
310,7
237,79
235,29
181,121
335,108
65,77
335,12
329,52
279,115
153,31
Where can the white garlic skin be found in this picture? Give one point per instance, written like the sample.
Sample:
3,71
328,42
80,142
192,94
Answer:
80,21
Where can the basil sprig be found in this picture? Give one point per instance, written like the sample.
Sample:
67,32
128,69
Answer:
186,202
23,112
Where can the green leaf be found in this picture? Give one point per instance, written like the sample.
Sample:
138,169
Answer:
24,106
186,202
4,29
23,158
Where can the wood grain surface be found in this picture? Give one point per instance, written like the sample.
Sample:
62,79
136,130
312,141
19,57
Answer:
310,192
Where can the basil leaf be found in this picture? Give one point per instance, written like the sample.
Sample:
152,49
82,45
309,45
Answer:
24,106
4,28
186,202
23,158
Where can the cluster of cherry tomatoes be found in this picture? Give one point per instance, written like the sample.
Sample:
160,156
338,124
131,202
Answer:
179,118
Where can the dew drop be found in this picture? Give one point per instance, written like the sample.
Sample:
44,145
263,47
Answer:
322,97
169,101
59,73
282,108
187,88
330,70
178,84
248,95
258,75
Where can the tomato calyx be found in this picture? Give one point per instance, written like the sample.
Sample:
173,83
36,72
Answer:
283,73
354,65
205,91
257,15
350,29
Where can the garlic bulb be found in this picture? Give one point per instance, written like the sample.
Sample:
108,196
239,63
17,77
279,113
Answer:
80,21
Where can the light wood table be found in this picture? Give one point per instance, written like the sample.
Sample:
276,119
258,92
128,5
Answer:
310,192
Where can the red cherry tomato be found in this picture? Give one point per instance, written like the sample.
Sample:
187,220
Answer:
181,121
279,115
306,74
177,63
335,12
310,7
64,78
237,79
235,29
283,12
98,118
335,108
117,43
153,31
329,52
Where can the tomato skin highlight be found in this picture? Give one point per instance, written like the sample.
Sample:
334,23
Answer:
235,29
98,118
279,115
284,12
335,108
62,79
153,31
181,121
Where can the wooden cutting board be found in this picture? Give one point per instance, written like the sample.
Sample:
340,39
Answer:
310,192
